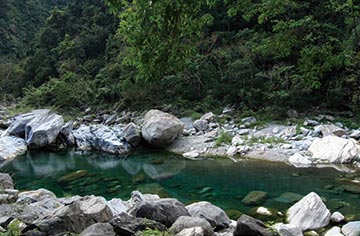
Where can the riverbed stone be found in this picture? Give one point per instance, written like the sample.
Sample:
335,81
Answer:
287,229
334,231
165,210
85,212
330,129
43,129
254,198
246,225
337,217
127,225
160,129
40,209
6,182
184,222
195,231
99,229
349,185
201,125
35,195
132,134
213,214
351,229
333,149
309,213
11,147
299,160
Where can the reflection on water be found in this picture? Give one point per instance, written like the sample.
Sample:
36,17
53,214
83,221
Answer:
219,181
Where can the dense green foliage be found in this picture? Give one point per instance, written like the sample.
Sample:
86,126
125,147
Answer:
194,55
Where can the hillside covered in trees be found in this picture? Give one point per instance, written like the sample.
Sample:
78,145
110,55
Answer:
191,54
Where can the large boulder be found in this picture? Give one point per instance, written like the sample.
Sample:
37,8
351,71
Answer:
185,222
43,129
99,229
102,138
309,213
6,182
246,225
213,214
332,149
127,225
160,129
84,212
165,210
10,147
17,127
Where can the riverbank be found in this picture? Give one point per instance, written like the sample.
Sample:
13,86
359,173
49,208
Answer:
40,212
319,141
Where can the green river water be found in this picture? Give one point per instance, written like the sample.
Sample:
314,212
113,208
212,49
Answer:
220,181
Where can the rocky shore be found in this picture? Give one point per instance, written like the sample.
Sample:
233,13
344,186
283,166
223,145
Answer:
314,142
40,212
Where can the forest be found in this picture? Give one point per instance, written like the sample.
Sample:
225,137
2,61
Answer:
272,55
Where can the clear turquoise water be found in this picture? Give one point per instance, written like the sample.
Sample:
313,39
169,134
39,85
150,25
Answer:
219,181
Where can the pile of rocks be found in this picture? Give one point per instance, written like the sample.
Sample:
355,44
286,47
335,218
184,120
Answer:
40,212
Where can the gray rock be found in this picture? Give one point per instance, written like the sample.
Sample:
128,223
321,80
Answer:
334,231
35,195
6,182
43,129
17,127
127,225
117,206
201,125
101,138
196,231
311,123
299,160
332,149
160,129
351,229
330,129
11,147
232,151
254,198
355,134
40,209
165,210
337,217
250,120
132,134
99,229
85,212
66,134
309,213
185,222
110,120
213,214
287,229
209,117
247,225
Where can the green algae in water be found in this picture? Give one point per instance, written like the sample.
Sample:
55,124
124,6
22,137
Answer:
219,181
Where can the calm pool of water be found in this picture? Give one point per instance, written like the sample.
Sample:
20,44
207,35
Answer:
219,181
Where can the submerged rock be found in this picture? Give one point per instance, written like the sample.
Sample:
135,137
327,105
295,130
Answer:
10,147
352,186
289,197
332,149
213,214
160,129
309,213
254,198
101,138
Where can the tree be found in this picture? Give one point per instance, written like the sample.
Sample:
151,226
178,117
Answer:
161,35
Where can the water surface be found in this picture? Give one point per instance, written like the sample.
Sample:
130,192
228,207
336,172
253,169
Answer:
220,181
